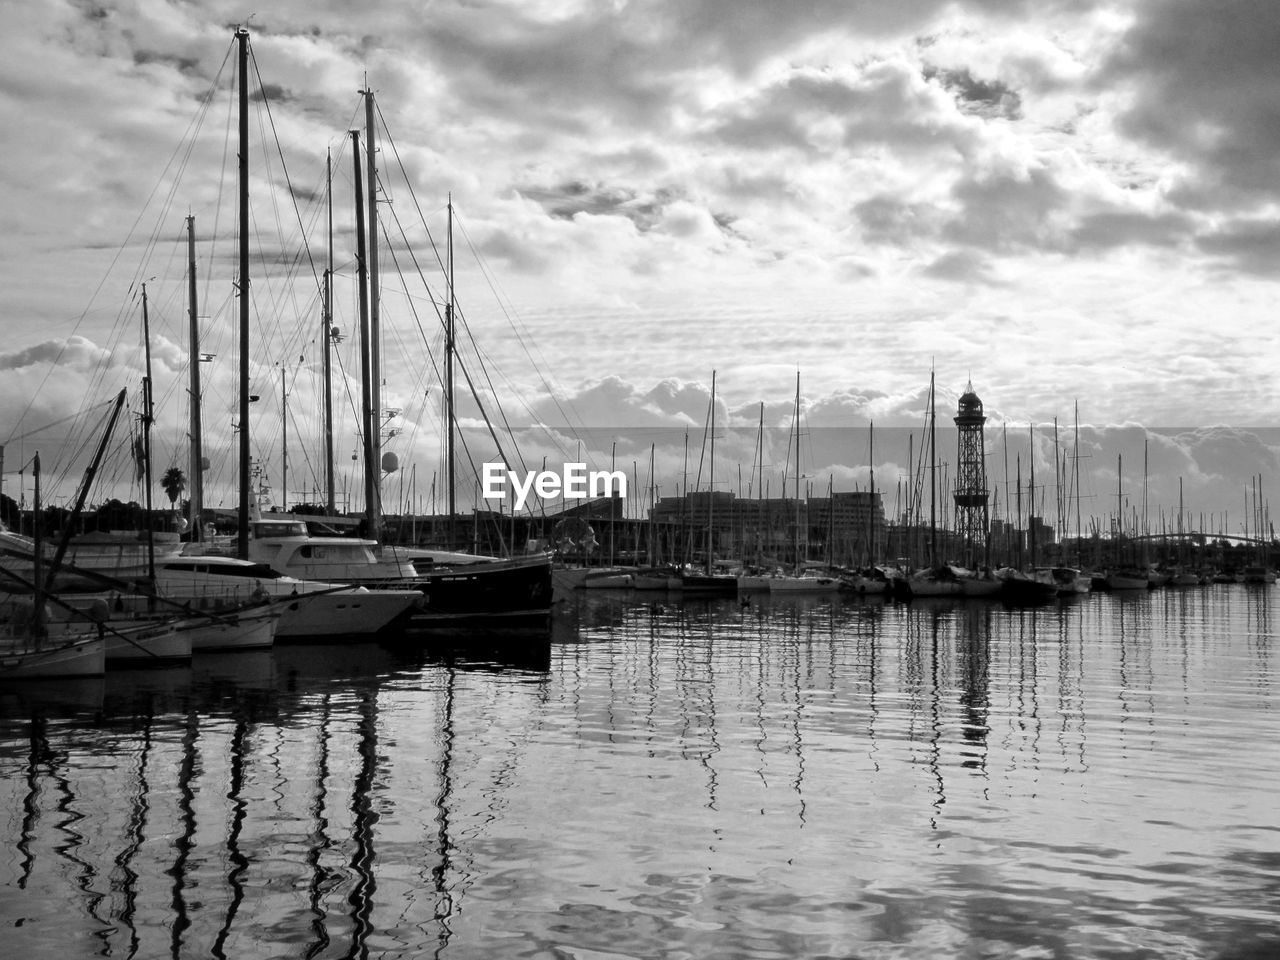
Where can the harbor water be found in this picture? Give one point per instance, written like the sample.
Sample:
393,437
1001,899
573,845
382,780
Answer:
784,778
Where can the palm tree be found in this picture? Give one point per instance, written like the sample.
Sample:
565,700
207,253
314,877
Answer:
173,482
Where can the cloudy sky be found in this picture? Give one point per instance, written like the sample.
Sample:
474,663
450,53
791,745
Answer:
1060,200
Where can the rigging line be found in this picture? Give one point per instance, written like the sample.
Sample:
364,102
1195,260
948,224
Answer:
435,367
412,194
283,166
183,158
481,355
487,422
55,423
196,122
497,402
552,393
419,389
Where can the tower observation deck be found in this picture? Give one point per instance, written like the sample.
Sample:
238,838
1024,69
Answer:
971,495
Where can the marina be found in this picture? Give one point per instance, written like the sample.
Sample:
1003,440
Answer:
799,776
433,653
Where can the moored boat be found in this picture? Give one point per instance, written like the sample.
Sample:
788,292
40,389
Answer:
1127,580
804,583
1018,587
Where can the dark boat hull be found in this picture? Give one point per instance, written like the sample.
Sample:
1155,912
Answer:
498,593
709,585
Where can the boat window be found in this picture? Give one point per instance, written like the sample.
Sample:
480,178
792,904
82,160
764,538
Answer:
279,530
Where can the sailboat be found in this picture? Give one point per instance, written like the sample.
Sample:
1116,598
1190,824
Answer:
1018,586
708,581
869,579
510,592
800,580
655,576
29,649
755,578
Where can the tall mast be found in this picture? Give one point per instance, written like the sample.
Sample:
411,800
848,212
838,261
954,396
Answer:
448,380
375,326
242,540
1075,470
284,444
796,426
652,499
933,476
871,506
147,419
1031,498
197,440
366,375
37,556
329,500
711,484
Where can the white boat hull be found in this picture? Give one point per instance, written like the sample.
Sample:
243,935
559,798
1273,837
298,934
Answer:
85,656
1122,581
244,631
344,614
156,644
803,584
608,581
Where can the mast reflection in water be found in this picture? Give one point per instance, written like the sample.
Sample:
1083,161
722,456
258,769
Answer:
796,777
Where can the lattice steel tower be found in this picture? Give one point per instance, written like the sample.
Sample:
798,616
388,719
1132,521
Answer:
971,478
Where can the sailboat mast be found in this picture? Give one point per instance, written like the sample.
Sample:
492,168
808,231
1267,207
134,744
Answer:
242,539
284,443
933,475
1075,470
329,498
375,325
796,427
448,382
37,556
147,419
366,374
711,484
1031,498
197,439
871,504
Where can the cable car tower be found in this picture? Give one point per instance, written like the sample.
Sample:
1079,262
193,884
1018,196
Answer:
971,495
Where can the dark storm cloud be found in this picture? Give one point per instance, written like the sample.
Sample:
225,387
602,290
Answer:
1250,243
986,98
566,200
1113,228
1008,212
1206,85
